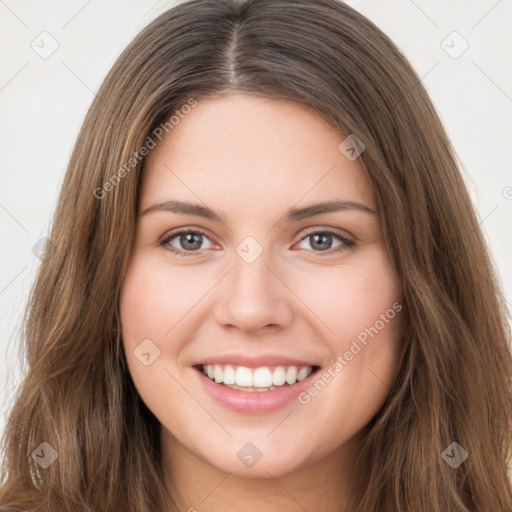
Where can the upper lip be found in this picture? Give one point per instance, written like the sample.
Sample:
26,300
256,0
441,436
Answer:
254,361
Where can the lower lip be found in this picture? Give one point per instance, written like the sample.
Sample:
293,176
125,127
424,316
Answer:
253,402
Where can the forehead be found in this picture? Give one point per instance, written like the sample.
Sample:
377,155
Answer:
251,154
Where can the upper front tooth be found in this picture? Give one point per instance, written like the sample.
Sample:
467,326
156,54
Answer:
262,378
279,376
244,376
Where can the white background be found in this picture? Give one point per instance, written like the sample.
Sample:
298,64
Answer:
43,103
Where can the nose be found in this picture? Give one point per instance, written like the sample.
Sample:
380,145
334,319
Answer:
254,298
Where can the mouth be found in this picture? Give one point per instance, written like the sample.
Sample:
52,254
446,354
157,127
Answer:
256,380
255,390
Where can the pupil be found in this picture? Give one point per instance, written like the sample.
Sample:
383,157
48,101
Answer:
324,238
191,238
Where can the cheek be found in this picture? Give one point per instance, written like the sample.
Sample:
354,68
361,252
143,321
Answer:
349,298
154,298
147,304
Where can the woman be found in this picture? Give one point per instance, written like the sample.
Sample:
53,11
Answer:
192,342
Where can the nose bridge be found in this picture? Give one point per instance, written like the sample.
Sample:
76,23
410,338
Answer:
253,296
251,277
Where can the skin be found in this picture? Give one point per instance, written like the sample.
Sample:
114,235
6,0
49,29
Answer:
251,159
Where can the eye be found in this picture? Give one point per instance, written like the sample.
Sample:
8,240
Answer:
189,242
322,241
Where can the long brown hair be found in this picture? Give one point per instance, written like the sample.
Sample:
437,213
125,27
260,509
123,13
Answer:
454,379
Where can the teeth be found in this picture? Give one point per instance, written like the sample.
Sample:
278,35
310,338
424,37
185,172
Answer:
229,376
262,378
302,374
256,379
291,375
279,376
217,373
244,376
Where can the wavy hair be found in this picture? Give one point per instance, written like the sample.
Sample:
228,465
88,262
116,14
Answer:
454,378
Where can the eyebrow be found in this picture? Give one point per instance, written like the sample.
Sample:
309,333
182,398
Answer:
292,215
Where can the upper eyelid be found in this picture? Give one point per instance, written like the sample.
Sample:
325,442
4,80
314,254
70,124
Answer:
343,233
173,233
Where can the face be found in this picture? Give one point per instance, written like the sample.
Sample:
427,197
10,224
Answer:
263,331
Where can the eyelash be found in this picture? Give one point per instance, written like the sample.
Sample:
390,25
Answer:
346,243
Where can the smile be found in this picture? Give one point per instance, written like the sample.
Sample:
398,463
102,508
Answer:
254,389
260,379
